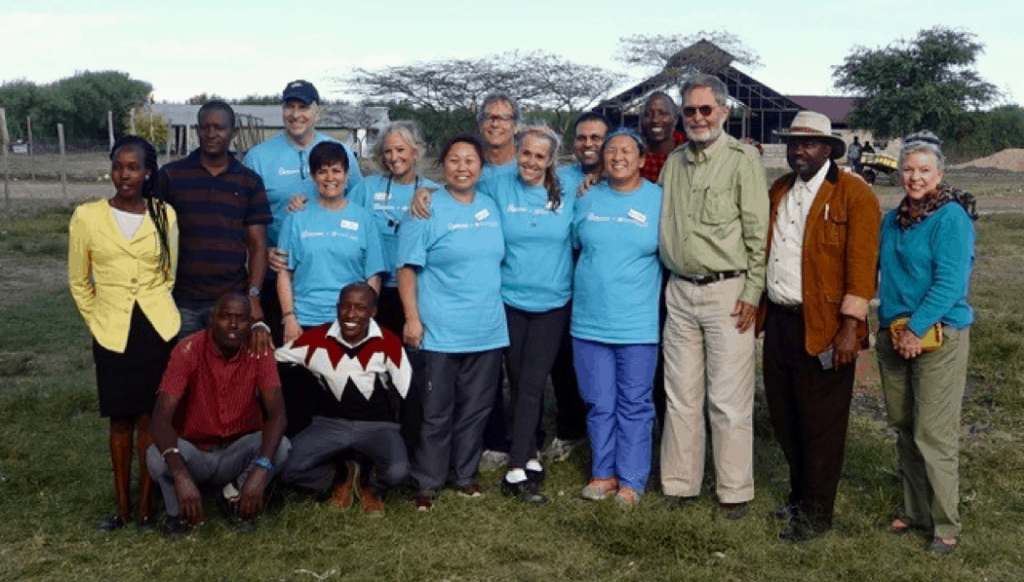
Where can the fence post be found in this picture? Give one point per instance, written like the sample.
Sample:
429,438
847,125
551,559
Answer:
110,128
31,150
5,142
63,161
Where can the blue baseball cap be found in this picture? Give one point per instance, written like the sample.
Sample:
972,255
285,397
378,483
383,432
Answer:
301,90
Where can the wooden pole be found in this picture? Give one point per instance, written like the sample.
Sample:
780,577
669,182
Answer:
63,161
5,140
170,130
31,150
110,128
131,120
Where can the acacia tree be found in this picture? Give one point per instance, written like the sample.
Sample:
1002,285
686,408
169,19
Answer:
655,51
928,82
454,88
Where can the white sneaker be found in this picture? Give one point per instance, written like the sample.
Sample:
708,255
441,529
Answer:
493,460
559,450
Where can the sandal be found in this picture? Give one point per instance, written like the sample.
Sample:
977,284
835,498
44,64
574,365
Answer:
900,526
942,547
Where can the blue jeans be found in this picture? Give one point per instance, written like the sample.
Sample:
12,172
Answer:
615,383
195,315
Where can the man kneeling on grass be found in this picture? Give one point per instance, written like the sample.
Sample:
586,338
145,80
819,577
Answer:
218,422
363,375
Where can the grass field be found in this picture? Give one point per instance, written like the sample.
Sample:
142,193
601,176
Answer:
55,481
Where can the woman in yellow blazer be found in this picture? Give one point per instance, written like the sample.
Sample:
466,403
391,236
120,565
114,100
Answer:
121,259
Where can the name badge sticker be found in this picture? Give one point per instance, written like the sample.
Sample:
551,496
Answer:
637,216
482,215
349,225
380,196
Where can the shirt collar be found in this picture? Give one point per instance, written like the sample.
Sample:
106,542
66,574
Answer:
234,166
814,184
211,347
696,155
373,331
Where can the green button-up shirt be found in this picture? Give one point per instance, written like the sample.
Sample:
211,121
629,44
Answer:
715,212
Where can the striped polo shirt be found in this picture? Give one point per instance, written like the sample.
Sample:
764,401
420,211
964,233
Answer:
213,215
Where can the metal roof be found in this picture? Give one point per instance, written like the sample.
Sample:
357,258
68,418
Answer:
332,116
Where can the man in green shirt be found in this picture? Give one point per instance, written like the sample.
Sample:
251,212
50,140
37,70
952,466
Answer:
714,222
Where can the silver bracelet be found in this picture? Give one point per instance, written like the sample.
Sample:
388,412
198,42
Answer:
172,450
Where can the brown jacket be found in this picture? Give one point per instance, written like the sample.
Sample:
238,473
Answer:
840,255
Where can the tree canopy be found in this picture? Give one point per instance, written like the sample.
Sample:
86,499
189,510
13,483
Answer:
80,102
537,80
656,50
928,82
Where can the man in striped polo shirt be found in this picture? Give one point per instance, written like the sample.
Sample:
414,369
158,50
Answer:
222,217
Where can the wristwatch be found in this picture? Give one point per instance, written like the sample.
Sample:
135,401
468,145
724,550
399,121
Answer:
263,463
254,291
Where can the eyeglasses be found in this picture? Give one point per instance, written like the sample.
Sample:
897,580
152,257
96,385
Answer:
705,111
498,118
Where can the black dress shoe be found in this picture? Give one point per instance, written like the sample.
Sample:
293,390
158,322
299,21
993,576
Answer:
680,501
146,523
798,530
525,491
536,476
176,526
111,523
784,512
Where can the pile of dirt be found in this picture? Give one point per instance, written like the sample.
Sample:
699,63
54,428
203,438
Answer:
1011,159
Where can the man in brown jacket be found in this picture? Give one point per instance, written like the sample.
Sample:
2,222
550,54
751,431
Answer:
822,255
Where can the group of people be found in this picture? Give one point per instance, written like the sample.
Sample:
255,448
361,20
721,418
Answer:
398,307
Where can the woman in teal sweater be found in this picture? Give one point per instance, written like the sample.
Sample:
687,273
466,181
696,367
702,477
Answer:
925,260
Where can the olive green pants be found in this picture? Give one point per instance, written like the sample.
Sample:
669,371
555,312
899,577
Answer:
923,397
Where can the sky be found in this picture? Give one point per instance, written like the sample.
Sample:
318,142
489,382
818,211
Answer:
234,48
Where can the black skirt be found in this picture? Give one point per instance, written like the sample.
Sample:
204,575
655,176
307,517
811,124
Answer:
127,382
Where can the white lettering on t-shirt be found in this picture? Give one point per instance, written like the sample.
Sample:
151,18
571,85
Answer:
349,225
287,172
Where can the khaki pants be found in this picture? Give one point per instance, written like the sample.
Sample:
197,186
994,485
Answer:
705,354
923,398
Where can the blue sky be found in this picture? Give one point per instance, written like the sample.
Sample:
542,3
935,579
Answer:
233,48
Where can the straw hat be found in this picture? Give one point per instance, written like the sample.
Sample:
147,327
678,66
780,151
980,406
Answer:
811,124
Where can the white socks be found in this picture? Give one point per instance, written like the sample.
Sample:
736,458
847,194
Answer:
515,476
534,465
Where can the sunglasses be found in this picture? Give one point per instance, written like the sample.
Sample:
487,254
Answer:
705,111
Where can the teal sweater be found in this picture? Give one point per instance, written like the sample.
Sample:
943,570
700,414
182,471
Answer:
925,271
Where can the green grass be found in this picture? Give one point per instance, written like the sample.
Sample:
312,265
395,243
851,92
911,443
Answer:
57,485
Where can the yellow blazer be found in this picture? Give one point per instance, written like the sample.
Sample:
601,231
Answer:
108,274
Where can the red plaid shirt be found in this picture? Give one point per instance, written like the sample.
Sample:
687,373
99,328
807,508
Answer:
221,396
653,162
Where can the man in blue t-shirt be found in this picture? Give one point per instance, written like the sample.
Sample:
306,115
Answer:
283,163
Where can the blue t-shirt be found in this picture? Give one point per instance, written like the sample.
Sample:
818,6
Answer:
925,271
458,253
570,176
388,201
284,168
618,276
536,274
328,249
491,172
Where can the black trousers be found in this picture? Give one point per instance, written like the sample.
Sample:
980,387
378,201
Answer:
534,340
271,305
570,412
810,411
459,391
391,315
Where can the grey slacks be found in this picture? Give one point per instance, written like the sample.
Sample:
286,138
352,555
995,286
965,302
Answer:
458,393
311,464
212,468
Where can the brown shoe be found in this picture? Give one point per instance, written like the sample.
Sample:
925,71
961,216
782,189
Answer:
370,501
342,497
